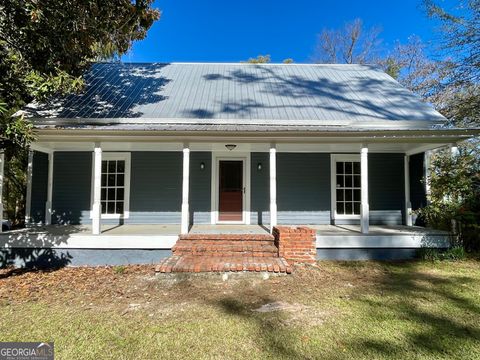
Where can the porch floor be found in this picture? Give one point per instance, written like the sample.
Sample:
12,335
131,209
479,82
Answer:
174,229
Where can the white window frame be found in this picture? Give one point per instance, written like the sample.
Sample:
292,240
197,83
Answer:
126,156
333,182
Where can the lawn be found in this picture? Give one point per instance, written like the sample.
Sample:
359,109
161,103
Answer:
337,310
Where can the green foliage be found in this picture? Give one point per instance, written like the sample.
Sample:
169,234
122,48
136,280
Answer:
45,48
454,198
455,253
119,270
260,59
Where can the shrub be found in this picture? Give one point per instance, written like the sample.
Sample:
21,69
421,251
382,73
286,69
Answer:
454,198
455,253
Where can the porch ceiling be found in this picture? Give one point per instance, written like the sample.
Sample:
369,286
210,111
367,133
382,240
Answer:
383,145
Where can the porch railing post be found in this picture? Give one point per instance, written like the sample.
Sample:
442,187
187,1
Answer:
28,198
185,187
365,212
2,166
273,186
97,190
408,203
48,204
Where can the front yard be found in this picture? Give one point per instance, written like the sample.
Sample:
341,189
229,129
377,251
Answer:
334,311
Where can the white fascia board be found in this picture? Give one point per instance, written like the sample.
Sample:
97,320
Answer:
85,241
359,241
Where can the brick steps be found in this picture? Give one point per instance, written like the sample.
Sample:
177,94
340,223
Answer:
225,249
242,252
191,263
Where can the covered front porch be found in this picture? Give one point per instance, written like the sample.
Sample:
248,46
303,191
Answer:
242,182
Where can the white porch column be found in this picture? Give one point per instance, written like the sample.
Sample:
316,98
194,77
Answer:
273,187
97,190
453,149
426,173
48,204
28,199
365,215
2,167
408,204
185,189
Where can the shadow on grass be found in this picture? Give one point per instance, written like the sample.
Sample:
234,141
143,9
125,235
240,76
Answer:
437,315
272,335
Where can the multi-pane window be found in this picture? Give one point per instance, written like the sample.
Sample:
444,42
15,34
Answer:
348,189
113,187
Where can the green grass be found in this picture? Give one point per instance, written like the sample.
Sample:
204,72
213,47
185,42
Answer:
360,310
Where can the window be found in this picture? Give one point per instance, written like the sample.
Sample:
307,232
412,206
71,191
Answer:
115,185
346,189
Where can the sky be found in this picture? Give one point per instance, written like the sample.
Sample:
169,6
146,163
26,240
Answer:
232,31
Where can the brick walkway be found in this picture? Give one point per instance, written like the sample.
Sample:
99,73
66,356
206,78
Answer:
223,253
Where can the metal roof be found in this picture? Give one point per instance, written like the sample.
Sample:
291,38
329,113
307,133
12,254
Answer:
262,95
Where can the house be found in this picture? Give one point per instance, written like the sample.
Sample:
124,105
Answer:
153,155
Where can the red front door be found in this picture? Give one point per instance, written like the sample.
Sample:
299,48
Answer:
230,197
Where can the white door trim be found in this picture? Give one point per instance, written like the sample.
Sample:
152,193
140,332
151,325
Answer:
216,158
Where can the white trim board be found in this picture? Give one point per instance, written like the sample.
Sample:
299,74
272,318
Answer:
359,241
246,158
85,241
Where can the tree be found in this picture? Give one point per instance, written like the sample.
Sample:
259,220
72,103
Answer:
265,59
454,198
352,44
409,64
45,48
460,31
260,59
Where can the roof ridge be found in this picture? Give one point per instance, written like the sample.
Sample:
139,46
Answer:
232,63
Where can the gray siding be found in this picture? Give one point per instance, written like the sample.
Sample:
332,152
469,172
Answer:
71,187
386,188
155,188
417,187
260,189
39,186
418,196
200,187
303,188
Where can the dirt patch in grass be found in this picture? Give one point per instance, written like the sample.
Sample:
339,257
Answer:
140,284
332,310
